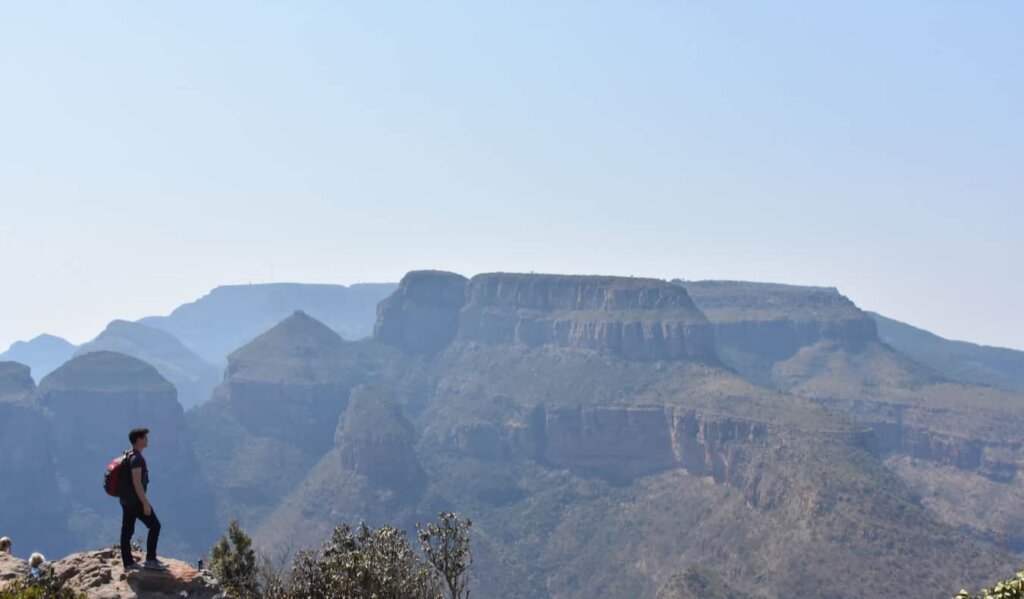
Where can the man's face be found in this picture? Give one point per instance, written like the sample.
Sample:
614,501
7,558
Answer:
144,442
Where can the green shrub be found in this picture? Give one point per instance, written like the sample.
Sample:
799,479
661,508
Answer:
233,562
1006,589
47,586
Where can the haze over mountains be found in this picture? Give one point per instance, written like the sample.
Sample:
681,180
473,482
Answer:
610,436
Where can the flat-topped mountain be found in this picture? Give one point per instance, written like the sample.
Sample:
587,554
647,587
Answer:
43,354
230,316
574,457
193,377
643,319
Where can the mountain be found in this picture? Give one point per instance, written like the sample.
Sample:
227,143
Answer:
29,494
91,402
231,316
43,354
596,434
193,377
956,444
958,360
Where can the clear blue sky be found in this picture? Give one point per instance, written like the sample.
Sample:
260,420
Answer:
151,151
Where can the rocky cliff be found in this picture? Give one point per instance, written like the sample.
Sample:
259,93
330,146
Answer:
639,319
30,493
15,382
376,440
422,315
773,321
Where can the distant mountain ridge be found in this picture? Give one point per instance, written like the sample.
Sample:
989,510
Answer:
230,316
959,360
43,354
193,377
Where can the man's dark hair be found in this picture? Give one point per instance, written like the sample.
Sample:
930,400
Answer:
136,434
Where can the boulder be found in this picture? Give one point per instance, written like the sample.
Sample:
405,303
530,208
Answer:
99,575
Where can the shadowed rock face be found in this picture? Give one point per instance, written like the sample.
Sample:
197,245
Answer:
376,440
93,401
32,507
422,315
639,319
15,381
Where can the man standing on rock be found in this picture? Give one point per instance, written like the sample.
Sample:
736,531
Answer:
135,505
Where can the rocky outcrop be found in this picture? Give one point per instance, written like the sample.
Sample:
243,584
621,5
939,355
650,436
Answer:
15,382
638,319
376,440
92,402
99,575
423,314
193,377
11,568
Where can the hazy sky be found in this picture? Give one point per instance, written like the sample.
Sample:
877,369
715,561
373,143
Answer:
151,151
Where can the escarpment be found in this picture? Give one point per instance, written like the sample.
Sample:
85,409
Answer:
638,319
772,322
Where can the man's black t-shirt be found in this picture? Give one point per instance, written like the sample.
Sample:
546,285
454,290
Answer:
130,496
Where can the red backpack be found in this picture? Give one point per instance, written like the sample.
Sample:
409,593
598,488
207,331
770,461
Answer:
112,482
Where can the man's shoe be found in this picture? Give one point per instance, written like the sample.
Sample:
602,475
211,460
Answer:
152,564
131,566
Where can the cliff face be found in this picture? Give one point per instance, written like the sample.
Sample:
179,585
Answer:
422,315
376,440
30,494
639,319
93,401
772,322
15,382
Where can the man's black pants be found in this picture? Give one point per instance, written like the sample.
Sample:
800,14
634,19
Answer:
129,513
